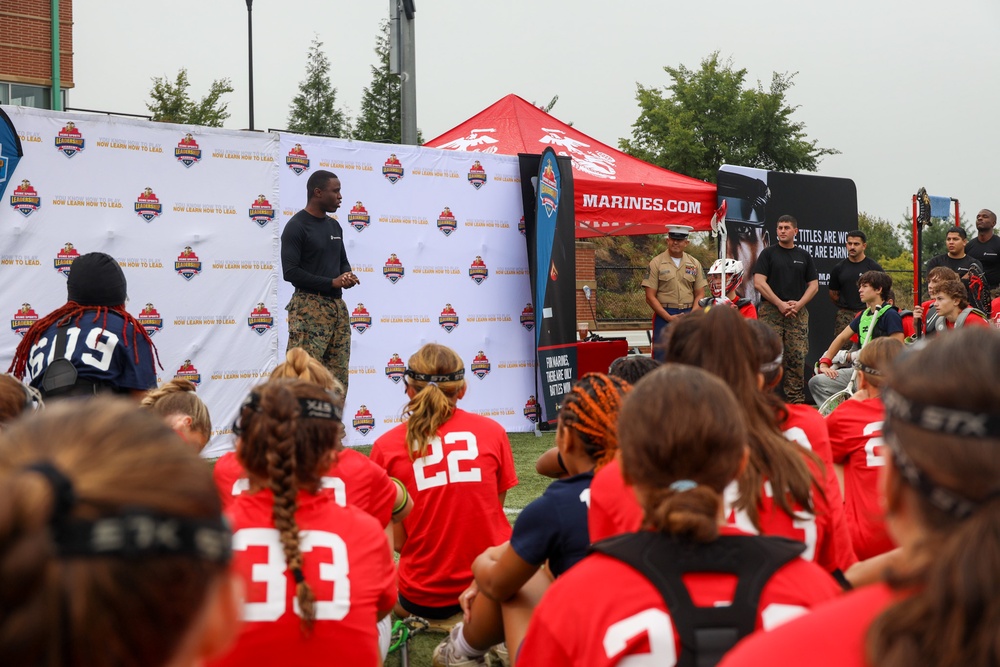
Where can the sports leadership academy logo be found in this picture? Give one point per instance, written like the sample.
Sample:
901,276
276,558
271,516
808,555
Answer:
448,318
392,169
261,211
358,217
528,318
548,190
147,206
187,151
393,269
150,319
395,368
361,319
187,264
187,371
23,319
363,422
481,365
64,259
520,226
531,410
477,175
297,160
478,271
260,319
69,141
447,222
25,199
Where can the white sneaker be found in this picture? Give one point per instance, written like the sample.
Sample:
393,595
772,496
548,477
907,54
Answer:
499,655
445,655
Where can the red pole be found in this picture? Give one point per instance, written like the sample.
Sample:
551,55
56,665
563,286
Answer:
958,214
916,255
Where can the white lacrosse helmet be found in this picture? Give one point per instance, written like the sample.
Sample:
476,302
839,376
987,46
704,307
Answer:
733,268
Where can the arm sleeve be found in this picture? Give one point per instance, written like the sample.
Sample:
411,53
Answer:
892,322
834,282
763,264
535,531
855,323
292,240
345,265
811,273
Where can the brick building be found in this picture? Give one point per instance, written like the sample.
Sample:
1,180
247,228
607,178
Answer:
26,62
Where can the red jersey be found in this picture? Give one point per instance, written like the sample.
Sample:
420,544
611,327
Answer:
456,507
353,480
626,616
832,636
971,320
614,508
346,562
749,311
856,435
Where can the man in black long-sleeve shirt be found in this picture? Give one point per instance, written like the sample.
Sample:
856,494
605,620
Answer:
314,260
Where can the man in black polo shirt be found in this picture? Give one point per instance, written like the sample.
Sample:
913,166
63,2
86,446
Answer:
844,279
969,270
986,247
314,260
786,278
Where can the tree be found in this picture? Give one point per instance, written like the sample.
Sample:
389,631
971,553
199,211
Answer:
171,103
313,110
380,118
883,243
706,118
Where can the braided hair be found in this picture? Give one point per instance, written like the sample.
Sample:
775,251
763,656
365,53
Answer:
591,409
283,452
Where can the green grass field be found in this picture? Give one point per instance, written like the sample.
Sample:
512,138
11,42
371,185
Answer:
527,447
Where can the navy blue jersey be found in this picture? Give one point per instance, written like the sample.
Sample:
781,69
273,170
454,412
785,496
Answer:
554,526
98,352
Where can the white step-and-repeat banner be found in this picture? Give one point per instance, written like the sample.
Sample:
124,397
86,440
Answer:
194,216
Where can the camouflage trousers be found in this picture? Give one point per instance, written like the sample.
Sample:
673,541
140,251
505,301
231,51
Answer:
794,333
841,321
321,326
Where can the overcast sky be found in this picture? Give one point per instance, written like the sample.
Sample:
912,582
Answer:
908,92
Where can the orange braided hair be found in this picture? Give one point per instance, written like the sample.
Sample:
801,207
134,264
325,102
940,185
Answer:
591,409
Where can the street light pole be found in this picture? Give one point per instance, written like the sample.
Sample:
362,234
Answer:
250,48
408,76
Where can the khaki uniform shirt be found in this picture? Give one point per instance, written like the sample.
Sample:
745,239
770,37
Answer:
674,285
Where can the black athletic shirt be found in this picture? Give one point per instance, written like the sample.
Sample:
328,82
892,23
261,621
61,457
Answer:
988,255
788,271
844,279
313,253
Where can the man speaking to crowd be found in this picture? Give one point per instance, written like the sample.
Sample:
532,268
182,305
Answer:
314,260
674,284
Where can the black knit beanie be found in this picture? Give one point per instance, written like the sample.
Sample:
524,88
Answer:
96,279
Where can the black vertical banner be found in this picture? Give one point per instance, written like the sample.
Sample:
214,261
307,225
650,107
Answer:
547,193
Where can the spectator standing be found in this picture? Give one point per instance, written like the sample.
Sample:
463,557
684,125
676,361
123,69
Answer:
844,279
986,246
674,284
786,278
969,270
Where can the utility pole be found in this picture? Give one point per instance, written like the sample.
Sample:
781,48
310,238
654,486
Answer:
403,61
250,55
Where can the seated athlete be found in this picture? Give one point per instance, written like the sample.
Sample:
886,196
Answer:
687,587
318,576
785,490
926,313
940,602
551,529
113,549
91,344
879,319
732,271
179,406
954,311
855,428
457,466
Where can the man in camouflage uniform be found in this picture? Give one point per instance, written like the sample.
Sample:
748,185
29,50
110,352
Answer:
675,283
786,278
314,260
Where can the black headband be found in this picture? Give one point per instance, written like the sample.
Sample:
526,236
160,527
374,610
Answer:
425,377
312,408
134,533
867,370
938,419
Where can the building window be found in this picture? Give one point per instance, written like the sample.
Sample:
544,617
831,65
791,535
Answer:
18,94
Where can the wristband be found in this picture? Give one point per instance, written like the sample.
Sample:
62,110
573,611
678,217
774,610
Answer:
825,360
406,496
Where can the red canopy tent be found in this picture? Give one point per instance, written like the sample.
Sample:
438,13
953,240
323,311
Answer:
616,194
